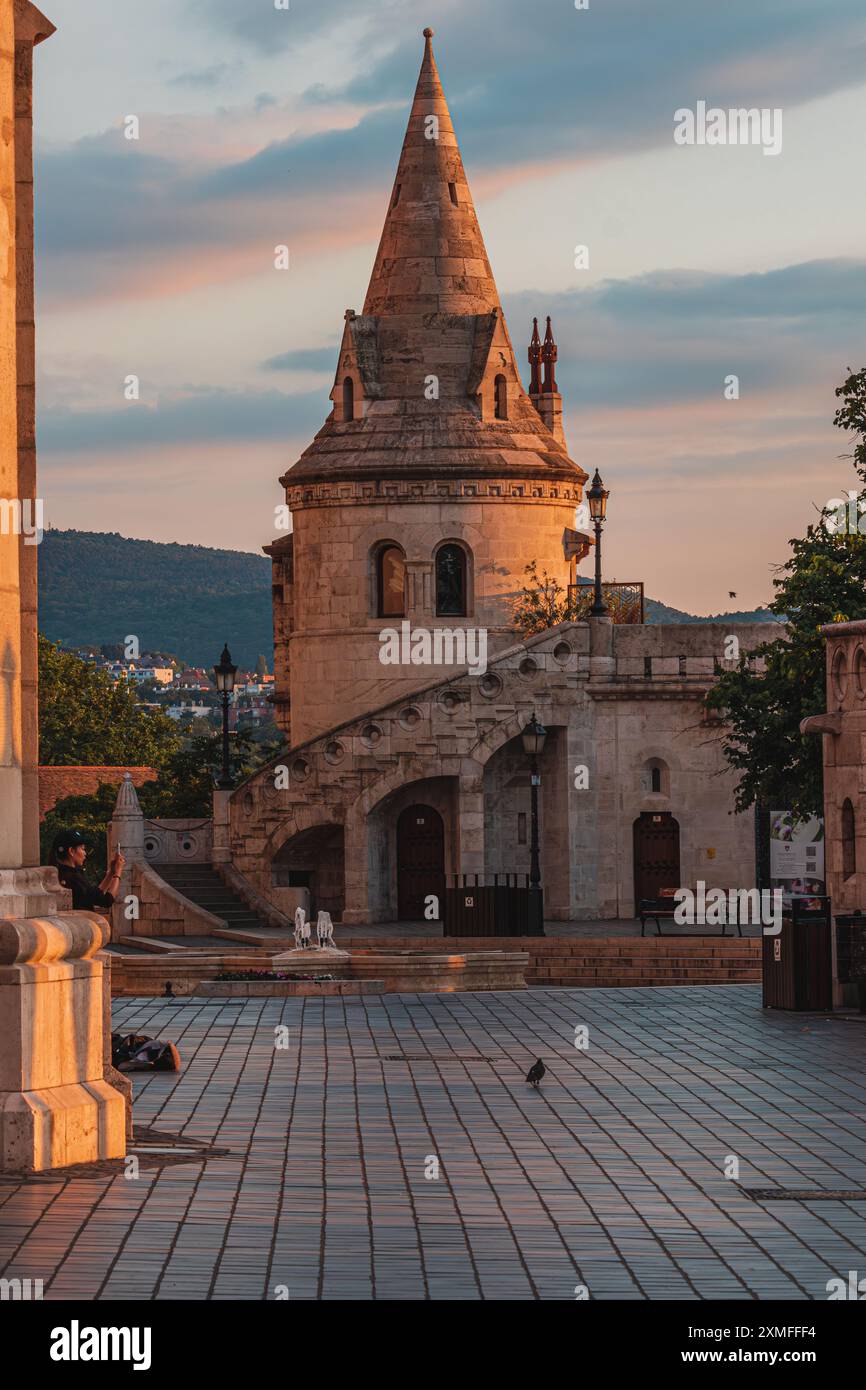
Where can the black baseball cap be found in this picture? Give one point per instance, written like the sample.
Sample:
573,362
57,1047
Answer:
65,840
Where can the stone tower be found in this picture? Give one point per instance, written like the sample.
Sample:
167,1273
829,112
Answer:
436,479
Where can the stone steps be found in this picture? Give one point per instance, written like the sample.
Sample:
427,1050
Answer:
204,887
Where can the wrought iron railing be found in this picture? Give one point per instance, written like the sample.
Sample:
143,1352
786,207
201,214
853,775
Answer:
625,601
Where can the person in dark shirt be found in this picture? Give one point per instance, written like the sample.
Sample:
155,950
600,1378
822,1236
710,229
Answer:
70,852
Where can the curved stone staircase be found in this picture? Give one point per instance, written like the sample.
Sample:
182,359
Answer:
204,887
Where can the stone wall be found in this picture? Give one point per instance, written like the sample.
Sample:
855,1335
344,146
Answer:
843,732
615,705
334,647
163,911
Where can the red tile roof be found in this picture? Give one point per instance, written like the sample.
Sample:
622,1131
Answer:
55,783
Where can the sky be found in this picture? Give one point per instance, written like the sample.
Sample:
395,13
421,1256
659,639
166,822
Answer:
261,127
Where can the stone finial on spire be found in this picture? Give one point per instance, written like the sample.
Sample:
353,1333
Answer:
535,361
127,803
126,827
549,354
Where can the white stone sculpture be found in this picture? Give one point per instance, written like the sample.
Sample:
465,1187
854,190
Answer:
300,914
325,931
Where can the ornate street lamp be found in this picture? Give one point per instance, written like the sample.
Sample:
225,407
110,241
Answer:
533,745
597,499
225,674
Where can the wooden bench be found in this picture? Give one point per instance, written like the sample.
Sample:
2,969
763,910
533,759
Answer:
655,909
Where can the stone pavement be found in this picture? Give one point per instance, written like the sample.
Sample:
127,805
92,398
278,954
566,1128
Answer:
611,1176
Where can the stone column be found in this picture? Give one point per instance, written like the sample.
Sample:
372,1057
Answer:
470,815
221,852
56,1106
602,662
126,833
357,907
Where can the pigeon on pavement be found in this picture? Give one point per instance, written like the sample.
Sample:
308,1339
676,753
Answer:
535,1073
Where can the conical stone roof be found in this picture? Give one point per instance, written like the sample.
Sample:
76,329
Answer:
432,330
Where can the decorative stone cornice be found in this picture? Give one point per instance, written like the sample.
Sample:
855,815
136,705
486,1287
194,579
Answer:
370,493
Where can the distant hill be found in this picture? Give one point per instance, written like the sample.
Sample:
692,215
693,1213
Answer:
660,613
97,588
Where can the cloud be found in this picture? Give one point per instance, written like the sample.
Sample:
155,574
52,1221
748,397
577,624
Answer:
304,360
203,77
577,86
672,337
202,415
268,29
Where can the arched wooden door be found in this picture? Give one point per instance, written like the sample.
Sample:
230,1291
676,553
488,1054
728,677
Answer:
656,854
420,860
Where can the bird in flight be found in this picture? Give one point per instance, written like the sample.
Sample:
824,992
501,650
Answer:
535,1073
731,594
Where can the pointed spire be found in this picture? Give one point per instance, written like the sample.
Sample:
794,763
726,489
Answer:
549,354
535,361
431,256
127,803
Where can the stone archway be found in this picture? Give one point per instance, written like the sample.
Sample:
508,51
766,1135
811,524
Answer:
314,860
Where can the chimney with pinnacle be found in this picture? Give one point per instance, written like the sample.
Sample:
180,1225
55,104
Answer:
544,393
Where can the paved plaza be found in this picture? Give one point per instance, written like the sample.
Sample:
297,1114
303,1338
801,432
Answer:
611,1177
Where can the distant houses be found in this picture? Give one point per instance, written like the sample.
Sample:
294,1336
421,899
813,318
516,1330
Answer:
187,693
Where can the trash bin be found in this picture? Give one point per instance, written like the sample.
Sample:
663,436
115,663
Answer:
851,953
797,963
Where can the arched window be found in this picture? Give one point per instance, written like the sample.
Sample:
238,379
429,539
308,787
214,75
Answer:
656,777
451,581
500,392
390,582
849,842
348,398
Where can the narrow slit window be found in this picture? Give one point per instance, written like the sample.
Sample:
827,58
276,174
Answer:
452,189
396,195
849,841
348,399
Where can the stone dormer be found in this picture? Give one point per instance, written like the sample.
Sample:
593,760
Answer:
494,380
357,377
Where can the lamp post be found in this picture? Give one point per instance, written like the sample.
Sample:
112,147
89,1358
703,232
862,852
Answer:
225,674
533,744
597,498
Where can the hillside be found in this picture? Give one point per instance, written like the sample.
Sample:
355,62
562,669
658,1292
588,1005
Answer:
660,613
183,599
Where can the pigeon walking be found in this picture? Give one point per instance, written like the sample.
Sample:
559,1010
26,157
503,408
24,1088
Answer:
535,1073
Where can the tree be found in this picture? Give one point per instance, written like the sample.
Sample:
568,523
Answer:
541,603
823,581
88,719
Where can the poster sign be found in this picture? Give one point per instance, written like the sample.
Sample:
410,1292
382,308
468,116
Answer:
796,853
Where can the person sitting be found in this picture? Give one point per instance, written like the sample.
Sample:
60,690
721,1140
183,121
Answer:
69,854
